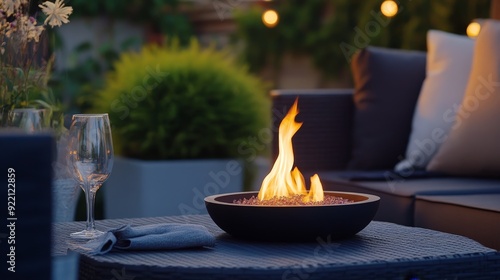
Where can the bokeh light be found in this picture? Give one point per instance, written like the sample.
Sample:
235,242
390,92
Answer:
389,8
270,18
473,29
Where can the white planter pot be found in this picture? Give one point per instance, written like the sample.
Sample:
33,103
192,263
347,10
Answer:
138,188
65,194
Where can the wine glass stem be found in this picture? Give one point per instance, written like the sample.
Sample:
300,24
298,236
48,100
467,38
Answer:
90,200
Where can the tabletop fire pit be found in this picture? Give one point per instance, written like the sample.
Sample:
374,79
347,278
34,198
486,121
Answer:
284,210
286,223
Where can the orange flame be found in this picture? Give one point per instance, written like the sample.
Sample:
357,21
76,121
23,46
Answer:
282,181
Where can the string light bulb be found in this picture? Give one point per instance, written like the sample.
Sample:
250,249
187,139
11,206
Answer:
389,8
473,29
270,18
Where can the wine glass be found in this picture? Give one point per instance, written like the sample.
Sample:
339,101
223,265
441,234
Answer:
29,120
91,157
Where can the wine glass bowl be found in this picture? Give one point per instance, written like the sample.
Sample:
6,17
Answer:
29,120
91,157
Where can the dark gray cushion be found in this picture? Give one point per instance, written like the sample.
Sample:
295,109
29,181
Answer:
404,187
387,83
397,193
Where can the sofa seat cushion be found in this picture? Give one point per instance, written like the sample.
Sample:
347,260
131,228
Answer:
402,186
488,202
397,197
475,216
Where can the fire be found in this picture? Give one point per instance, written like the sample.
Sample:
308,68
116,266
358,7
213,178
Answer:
282,181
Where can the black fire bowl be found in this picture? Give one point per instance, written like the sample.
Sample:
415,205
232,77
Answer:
292,223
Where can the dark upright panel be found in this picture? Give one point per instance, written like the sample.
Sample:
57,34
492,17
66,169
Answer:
25,186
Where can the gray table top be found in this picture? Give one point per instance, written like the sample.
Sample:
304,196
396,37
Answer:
382,250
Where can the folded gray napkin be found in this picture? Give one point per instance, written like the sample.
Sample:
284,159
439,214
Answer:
149,237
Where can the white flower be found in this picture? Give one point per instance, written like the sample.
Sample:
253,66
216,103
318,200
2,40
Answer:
10,6
11,28
33,31
56,13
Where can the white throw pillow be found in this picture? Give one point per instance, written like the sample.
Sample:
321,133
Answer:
449,59
473,146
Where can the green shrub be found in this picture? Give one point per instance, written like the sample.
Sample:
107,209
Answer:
173,103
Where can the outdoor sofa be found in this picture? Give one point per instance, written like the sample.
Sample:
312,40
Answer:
355,138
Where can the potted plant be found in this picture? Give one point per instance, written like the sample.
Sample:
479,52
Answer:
179,118
24,66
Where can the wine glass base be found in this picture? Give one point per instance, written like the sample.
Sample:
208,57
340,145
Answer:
86,234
